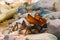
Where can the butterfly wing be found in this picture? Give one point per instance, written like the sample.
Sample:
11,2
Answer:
30,19
40,19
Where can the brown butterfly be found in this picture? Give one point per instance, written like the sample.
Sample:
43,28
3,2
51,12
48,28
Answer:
23,25
15,28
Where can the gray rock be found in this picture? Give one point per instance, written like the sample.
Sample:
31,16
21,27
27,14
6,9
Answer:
6,37
54,27
21,9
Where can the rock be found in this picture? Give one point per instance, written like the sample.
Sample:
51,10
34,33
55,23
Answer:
44,36
6,12
11,37
15,33
15,4
44,4
57,5
52,15
1,36
21,37
22,9
34,1
54,27
2,2
43,12
6,37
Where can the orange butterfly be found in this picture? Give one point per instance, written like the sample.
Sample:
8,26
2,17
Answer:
40,19
30,19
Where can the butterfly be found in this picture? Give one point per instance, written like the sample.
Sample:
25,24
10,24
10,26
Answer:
40,19
31,19
36,19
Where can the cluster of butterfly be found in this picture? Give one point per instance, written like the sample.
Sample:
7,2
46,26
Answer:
38,23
